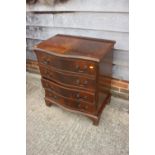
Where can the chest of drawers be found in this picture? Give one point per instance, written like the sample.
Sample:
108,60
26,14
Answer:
70,67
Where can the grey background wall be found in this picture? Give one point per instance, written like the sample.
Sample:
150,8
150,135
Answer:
108,19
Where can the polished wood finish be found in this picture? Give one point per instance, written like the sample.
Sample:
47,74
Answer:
70,68
73,80
76,47
72,93
71,65
69,102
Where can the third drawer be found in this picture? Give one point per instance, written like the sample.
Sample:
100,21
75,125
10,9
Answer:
69,92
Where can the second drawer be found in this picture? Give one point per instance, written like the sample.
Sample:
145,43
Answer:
72,80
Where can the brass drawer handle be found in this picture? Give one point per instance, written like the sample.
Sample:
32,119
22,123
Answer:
47,61
77,81
77,95
84,108
78,103
80,97
85,82
55,97
77,66
85,97
81,70
85,67
48,74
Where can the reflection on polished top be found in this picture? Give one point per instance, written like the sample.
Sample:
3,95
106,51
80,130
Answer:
73,46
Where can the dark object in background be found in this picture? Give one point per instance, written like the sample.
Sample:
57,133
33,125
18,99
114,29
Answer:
60,1
46,1
31,1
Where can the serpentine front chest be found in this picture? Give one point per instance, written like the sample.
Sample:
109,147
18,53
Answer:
70,68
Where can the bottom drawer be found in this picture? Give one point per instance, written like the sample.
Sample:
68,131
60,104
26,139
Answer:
70,103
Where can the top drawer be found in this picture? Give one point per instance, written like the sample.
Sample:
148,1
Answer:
68,64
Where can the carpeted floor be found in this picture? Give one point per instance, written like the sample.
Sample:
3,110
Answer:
54,131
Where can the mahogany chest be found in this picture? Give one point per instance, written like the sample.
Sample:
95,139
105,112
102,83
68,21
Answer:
70,67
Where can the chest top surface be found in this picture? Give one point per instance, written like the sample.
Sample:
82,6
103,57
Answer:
76,47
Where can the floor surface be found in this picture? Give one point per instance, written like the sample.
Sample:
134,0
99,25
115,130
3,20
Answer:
54,131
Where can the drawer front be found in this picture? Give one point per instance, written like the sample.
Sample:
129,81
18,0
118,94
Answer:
68,79
67,64
69,103
67,92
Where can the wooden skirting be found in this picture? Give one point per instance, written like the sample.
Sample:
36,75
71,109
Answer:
119,88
